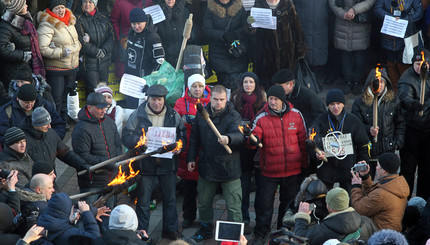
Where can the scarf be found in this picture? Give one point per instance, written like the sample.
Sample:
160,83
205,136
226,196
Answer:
36,57
65,18
92,13
247,108
112,113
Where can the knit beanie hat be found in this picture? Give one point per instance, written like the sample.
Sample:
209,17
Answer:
94,1
138,15
335,95
387,237
40,117
337,199
390,162
27,92
104,90
123,217
283,76
55,3
277,91
41,167
14,6
196,78
250,74
23,72
418,55
13,135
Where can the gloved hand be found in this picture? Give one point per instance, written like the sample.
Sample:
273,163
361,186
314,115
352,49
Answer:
417,106
252,143
85,167
66,52
246,131
10,47
86,38
52,45
100,54
250,20
111,167
27,56
230,36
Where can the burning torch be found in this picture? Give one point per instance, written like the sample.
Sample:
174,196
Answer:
310,144
424,70
376,87
205,115
247,132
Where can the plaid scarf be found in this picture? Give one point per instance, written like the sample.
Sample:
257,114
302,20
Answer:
36,57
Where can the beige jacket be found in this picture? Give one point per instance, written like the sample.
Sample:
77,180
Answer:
51,29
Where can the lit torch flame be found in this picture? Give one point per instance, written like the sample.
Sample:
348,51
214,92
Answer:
240,128
121,177
178,145
198,102
142,139
312,135
422,55
376,85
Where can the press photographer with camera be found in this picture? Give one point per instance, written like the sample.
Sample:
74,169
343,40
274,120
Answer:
384,201
8,194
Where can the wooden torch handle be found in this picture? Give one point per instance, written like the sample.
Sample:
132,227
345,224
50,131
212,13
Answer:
375,117
255,140
211,124
423,91
318,151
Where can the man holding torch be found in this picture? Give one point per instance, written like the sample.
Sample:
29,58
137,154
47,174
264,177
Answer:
413,90
216,165
155,113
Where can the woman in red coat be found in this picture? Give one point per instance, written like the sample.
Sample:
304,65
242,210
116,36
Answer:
186,107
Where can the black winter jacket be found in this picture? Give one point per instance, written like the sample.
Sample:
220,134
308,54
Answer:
17,161
132,131
119,237
96,141
391,123
215,21
48,146
17,116
10,32
100,30
339,170
215,164
145,52
408,90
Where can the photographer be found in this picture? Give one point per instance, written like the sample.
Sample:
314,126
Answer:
385,201
8,193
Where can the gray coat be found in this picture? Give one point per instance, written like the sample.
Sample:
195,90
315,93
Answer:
350,35
313,15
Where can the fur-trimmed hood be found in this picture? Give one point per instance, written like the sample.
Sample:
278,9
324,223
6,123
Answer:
18,21
387,96
43,16
216,8
38,81
303,192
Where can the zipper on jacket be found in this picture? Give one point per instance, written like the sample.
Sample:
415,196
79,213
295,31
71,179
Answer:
283,142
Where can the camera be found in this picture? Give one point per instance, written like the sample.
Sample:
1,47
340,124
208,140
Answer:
44,233
359,167
143,237
4,173
312,206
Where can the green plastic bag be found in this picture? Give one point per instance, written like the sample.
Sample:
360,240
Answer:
173,81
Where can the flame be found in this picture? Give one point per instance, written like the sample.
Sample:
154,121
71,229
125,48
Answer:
142,139
378,76
121,177
178,145
312,135
422,55
240,128
198,102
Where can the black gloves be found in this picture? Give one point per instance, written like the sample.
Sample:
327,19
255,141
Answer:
230,36
417,106
85,167
252,143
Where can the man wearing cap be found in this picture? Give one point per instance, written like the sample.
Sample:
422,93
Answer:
43,144
417,136
342,139
15,155
384,201
281,130
155,112
303,99
16,110
96,139
343,221
145,52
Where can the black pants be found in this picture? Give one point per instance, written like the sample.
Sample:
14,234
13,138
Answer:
92,78
265,196
415,154
61,85
189,206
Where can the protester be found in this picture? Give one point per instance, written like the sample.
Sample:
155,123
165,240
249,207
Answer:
15,155
97,39
195,92
417,135
155,170
43,186
8,192
113,110
385,201
216,166
277,125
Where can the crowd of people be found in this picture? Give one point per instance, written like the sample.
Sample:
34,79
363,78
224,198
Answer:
341,176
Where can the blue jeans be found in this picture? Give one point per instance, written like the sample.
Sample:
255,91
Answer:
168,190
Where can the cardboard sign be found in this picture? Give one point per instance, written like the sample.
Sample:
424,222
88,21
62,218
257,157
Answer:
338,146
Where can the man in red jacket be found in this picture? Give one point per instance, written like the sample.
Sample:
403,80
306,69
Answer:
281,130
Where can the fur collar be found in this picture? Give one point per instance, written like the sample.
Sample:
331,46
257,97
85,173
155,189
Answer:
28,195
15,20
367,97
350,209
215,7
56,23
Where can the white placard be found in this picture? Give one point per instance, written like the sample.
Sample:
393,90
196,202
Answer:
339,147
156,13
393,27
263,18
132,86
159,136
248,4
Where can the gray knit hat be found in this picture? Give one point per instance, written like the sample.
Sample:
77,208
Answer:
13,135
94,1
40,117
14,6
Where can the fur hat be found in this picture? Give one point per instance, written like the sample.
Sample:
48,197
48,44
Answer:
390,162
387,237
14,6
55,3
334,95
138,15
337,199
